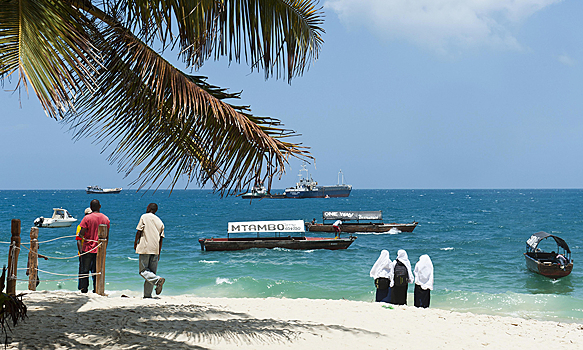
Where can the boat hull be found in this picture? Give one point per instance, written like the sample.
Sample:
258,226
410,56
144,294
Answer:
547,268
103,191
320,192
353,228
296,243
58,223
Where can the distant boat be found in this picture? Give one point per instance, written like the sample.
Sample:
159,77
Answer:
277,241
358,221
552,265
306,187
60,218
97,189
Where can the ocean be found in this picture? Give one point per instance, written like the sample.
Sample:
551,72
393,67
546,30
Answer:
475,238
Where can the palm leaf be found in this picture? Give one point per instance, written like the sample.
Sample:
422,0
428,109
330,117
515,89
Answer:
174,125
45,42
155,117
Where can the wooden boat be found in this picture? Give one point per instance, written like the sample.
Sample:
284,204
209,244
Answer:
552,265
281,240
351,222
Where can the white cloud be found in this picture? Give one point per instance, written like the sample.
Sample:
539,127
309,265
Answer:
440,24
566,60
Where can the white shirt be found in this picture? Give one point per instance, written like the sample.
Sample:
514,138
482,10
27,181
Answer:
152,229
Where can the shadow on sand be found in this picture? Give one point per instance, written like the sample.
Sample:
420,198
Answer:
58,323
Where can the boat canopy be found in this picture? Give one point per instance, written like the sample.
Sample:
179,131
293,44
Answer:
352,215
267,226
535,239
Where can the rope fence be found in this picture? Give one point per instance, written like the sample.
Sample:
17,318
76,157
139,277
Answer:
32,266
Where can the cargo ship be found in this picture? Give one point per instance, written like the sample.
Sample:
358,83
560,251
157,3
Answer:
306,187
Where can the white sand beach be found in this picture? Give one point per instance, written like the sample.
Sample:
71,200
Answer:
66,320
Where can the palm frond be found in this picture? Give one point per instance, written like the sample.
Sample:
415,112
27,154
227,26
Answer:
46,43
273,35
173,125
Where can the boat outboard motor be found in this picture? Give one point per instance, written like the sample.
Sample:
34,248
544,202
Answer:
39,221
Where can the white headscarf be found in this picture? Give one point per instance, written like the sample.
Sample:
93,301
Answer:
424,272
382,266
402,257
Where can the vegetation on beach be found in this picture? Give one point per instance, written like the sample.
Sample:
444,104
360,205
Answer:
11,308
99,67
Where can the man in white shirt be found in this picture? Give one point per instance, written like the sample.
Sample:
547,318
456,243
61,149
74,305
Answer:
148,244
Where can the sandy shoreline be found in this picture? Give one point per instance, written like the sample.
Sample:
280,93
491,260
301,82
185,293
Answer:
66,319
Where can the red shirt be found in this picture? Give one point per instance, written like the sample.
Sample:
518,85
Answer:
91,223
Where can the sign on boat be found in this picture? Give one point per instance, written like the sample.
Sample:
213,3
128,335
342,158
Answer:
281,238
357,221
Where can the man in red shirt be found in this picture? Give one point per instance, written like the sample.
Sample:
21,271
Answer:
87,244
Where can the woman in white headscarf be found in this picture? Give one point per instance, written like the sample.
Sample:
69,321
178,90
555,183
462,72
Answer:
400,275
423,281
380,273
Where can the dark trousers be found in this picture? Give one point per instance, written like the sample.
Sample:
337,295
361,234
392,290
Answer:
399,295
383,295
87,263
421,296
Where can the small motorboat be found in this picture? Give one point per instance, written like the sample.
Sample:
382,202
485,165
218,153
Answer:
554,264
99,190
61,218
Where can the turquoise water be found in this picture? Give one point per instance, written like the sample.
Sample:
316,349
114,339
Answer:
474,237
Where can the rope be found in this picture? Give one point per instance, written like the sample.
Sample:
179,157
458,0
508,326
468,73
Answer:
50,240
52,257
85,275
78,275
13,247
63,279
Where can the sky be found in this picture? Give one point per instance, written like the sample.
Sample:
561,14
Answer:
425,94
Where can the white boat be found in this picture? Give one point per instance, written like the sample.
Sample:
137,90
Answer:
97,189
258,191
61,218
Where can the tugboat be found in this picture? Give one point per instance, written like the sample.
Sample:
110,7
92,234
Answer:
308,188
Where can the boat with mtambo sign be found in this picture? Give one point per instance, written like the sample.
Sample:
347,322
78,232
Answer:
281,238
358,221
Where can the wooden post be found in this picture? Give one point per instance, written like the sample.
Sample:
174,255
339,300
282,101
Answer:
100,259
13,257
32,265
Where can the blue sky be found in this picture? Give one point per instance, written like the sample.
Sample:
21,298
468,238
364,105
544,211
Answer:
424,94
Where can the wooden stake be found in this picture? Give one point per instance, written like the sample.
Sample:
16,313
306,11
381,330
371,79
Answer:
100,259
32,265
13,257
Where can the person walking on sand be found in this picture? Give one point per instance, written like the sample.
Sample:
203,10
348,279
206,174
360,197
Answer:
380,273
423,281
87,244
336,226
148,244
400,275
